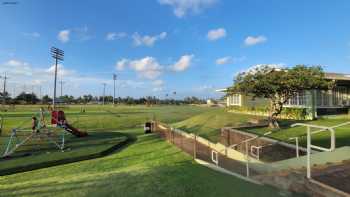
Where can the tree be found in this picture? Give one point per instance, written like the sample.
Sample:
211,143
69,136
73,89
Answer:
46,99
28,98
279,85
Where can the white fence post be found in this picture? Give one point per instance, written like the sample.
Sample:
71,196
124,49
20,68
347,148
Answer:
308,173
247,157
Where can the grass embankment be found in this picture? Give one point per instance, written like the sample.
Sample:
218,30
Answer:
209,124
149,167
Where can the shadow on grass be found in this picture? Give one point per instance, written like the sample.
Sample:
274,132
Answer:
117,147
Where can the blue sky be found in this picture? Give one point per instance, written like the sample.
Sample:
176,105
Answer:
160,46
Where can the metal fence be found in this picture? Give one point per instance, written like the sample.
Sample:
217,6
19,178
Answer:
202,149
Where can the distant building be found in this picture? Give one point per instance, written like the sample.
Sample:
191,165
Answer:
315,102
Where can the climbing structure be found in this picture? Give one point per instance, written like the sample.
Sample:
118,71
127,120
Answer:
53,133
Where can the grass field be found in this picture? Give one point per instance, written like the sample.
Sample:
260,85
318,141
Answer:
41,151
148,167
104,117
208,124
320,139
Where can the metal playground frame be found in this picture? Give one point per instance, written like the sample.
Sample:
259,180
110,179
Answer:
42,131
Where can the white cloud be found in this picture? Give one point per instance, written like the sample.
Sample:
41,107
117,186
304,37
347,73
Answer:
32,34
147,40
150,68
206,88
229,60
115,35
158,85
121,64
16,67
63,35
158,82
224,60
157,89
82,33
216,34
251,40
182,7
78,33
24,77
183,63
61,71
147,67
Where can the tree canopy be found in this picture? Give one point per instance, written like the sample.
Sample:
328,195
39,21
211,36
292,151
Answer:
279,84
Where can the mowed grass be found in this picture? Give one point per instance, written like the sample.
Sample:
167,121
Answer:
96,120
149,167
98,117
209,124
321,139
40,150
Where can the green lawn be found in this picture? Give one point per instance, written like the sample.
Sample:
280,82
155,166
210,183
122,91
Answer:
41,151
320,139
148,167
96,120
208,124
105,117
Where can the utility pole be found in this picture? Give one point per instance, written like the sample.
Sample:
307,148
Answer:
4,90
104,93
114,79
58,55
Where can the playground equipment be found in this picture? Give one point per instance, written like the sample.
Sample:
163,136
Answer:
42,131
309,132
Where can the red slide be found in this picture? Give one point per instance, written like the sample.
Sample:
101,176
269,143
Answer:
75,131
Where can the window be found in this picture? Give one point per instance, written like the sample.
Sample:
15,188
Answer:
235,99
339,96
298,99
319,98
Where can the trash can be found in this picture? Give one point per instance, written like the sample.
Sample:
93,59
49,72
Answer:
148,127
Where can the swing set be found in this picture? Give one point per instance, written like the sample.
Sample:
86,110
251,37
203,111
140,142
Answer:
41,131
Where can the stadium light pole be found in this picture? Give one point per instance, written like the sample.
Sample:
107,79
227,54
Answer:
114,79
58,55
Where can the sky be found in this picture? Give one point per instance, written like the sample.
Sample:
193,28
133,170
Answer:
157,47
